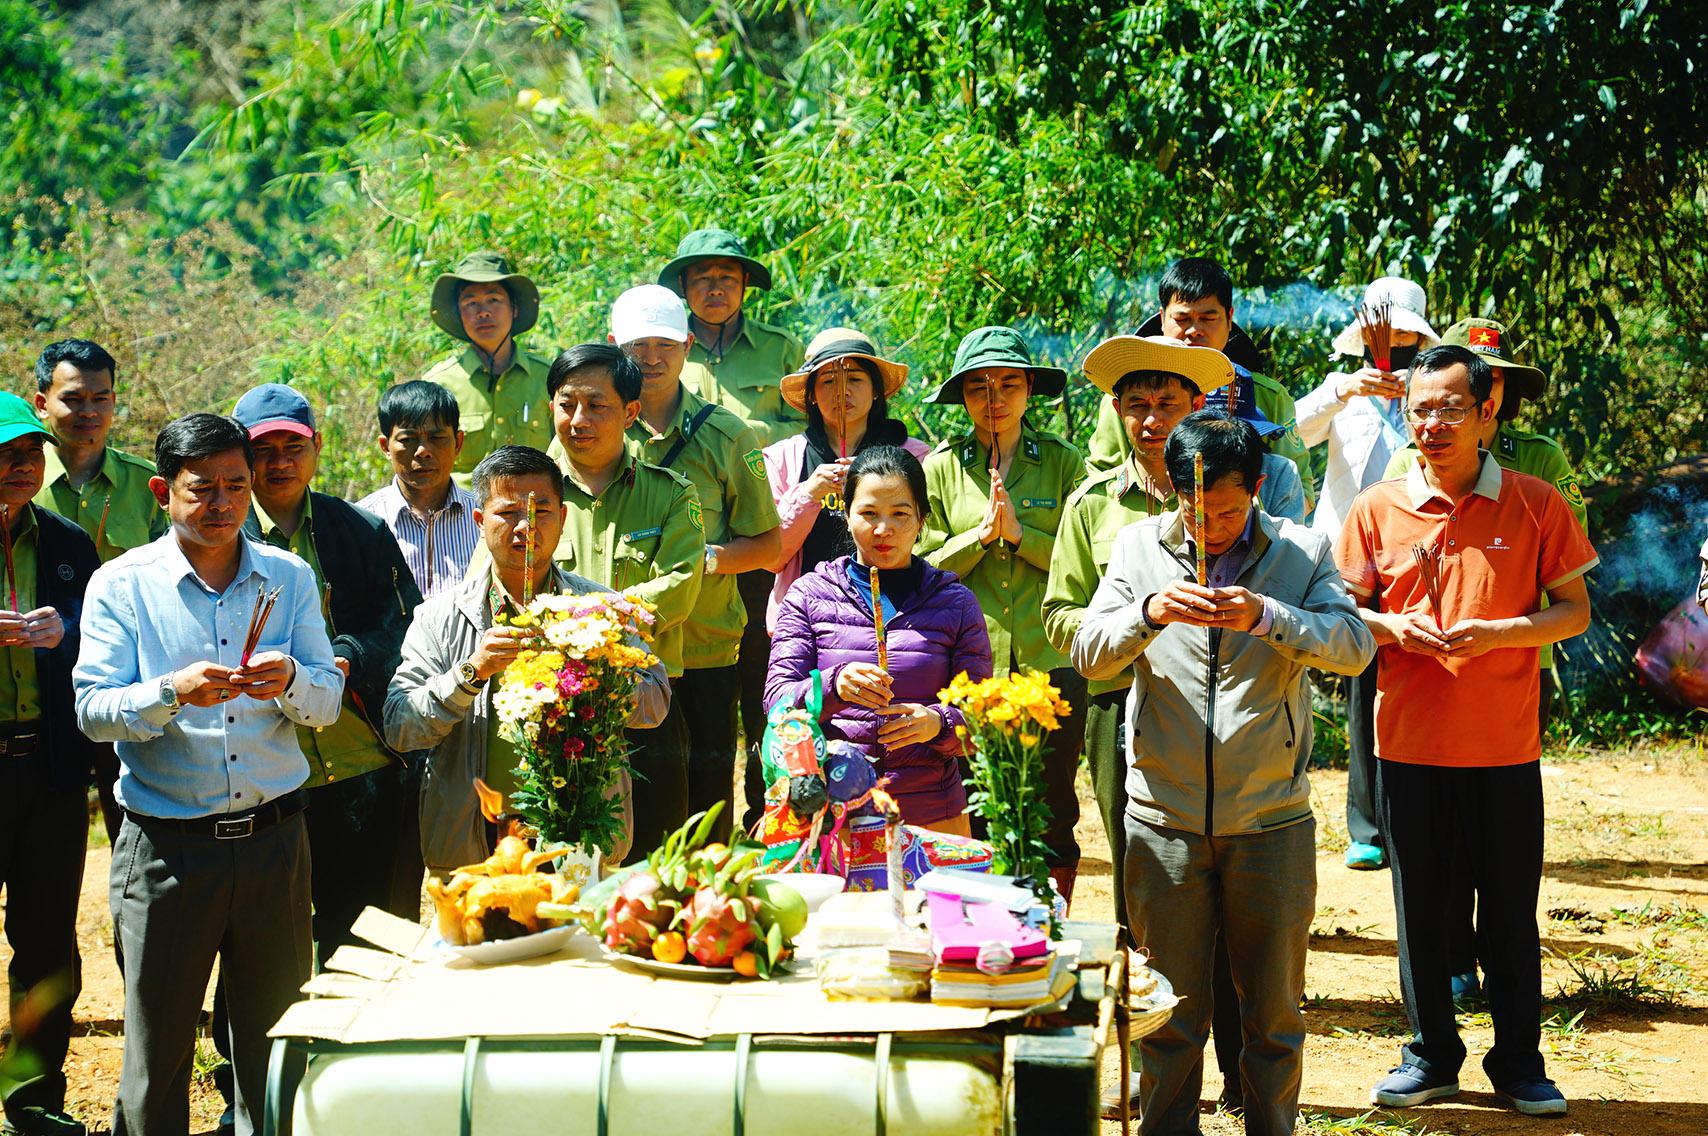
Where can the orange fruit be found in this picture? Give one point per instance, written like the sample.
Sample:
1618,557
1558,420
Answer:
746,964
670,947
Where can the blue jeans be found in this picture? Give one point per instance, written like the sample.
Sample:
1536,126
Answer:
1260,892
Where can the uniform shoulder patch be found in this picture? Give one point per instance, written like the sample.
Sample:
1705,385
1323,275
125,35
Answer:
1570,490
755,460
695,517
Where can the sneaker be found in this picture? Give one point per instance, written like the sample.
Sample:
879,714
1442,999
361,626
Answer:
34,1120
1409,1085
1466,986
1534,1098
1365,857
1111,1103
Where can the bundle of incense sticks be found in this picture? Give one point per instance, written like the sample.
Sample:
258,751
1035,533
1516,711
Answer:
1429,567
11,574
264,601
878,623
528,552
1198,525
1233,397
1375,324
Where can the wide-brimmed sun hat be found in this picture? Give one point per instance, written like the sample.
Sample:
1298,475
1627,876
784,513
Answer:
483,267
1121,355
710,244
1408,308
997,346
835,343
1491,340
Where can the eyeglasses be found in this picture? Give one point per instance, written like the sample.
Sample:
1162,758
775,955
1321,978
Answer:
1446,415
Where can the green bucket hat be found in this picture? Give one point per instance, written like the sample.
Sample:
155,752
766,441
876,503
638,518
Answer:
483,267
997,347
18,418
707,244
1491,340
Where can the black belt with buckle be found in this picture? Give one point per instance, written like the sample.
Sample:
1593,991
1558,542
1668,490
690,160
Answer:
20,739
242,825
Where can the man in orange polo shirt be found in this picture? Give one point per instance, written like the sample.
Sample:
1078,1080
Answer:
1458,779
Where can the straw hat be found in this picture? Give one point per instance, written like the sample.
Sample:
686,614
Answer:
1489,339
997,347
1121,355
835,343
1406,307
483,267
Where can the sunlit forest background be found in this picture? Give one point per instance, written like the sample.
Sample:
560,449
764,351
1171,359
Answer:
224,193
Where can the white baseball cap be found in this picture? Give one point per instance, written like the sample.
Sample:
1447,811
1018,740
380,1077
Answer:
650,311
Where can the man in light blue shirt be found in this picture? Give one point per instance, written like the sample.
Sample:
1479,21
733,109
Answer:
212,858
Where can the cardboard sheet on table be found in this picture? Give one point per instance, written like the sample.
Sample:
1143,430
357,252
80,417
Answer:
424,996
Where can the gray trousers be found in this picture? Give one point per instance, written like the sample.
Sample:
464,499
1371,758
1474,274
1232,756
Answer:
178,901
1260,891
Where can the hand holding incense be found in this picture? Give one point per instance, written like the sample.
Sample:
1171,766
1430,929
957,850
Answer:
1429,567
11,573
878,624
528,551
264,601
1375,325
1198,524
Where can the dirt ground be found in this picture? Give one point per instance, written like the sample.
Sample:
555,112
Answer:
1624,914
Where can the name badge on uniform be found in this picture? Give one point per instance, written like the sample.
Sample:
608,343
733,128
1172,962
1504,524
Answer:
1037,502
643,534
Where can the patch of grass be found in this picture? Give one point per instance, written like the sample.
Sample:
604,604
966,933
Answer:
1372,1123
1332,837
203,1063
1604,983
1673,916
1577,919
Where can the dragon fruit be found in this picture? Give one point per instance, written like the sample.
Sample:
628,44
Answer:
638,912
719,926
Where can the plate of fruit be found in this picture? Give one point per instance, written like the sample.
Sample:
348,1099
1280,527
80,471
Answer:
697,910
504,908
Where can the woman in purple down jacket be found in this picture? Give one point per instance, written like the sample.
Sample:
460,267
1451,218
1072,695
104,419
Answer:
933,628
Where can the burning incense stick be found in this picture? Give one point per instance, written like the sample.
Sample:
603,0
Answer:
101,529
1375,324
995,446
1429,567
264,601
1233,397
878,623
11,573
842,442
1198,524
528,551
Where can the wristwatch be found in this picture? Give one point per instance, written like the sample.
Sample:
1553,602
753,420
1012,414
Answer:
467,677
169,695
711,559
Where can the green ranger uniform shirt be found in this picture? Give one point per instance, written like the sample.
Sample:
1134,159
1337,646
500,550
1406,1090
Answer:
348,747
1098,510
642,535
514,410
724,460
1109,445
744,378
20,695
1008,581
1535,454
115,506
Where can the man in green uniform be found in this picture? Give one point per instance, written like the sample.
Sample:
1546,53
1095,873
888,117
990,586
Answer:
996,496
368,596
722,456
1197,299
635,528
737,362
45,763
1522,452
500,389
99,488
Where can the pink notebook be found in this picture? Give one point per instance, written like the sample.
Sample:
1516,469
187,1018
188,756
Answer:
960,927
